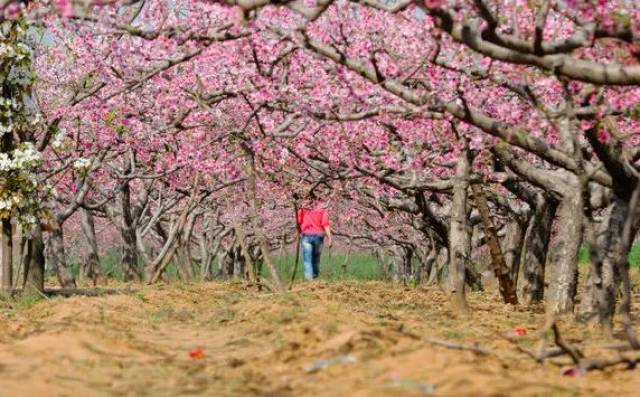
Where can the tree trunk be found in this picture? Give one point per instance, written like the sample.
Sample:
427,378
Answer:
130,266
58,260
500,269
440,256
257,222
564,259
184,265
211,253
19,251
426,259
33,283
534,252
130,269
146,252
513,242
7,145
91,262
227,263
629,232
396,264
158,266
205,257
248,266
604,279
407,265
609,245
239,263
7,255
459,236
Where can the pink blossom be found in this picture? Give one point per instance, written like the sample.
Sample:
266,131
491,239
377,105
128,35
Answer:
66,8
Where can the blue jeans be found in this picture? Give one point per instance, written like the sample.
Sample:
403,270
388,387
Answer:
311,249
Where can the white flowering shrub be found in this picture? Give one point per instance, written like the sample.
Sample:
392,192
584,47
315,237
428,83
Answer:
20,161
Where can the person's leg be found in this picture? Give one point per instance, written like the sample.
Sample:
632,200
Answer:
317,250
307,256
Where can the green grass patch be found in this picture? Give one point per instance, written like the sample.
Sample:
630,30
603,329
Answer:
10,305
332,267
634,256
111,266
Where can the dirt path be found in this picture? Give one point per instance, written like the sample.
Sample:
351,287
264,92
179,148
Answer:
260,344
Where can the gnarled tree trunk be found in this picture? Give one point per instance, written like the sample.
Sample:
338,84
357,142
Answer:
7,255
564,258
534,252
57,258
256,220
130,266
604,279
500,269
512,248
459,235
90,266
33,282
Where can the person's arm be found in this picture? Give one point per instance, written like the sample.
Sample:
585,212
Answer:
327,232
326,225
299,220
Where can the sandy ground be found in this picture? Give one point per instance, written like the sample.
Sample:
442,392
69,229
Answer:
339,339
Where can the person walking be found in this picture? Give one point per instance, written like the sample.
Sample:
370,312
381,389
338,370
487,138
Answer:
314,227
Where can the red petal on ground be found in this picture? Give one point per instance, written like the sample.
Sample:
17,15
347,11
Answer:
573,372
520,331
196,354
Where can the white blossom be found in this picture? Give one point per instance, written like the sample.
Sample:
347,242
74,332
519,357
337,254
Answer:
26,156
82,164
28,220
5,162
58,140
